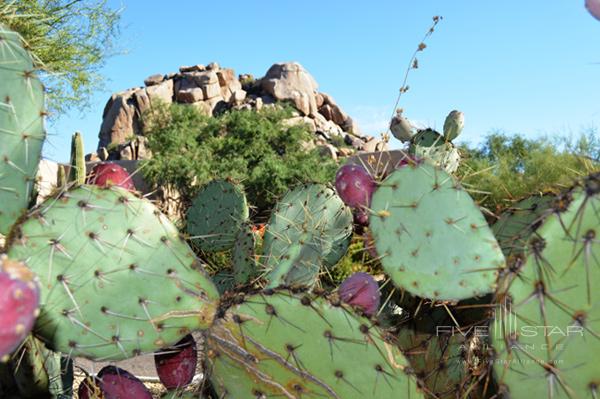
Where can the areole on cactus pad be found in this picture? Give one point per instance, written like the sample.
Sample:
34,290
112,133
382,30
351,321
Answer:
116,277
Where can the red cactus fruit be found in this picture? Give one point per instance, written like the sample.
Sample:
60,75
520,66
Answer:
111,174
176,366
361,290
90,389
593,6
361,217
355,185
117,383
19,300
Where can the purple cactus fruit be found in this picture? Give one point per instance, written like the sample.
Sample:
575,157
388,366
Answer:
19,300
117,383
361,217
90,389
361,290
593,6
355,185
111,174
176,366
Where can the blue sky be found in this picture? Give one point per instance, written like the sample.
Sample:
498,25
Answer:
530,67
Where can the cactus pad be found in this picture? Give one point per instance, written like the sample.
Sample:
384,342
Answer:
216,214
21,127
116,278
301,346
443,363
432,238
41,373
546,332
518,222
310,226
244,258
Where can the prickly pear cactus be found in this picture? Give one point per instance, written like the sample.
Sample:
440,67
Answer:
245,265
546,328
21,127
519,221
432,238
116,278
431,146
216,215
40,372
442,363
300,346
453,125
308,228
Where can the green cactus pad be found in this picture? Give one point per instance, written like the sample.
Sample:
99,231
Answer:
445,156
519,221
21,127
432,238
300,346
116,278
245,265
310,226
216,214
547,325
300,266
443,363
40,373
427,138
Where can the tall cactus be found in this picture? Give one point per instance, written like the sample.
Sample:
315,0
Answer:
77,171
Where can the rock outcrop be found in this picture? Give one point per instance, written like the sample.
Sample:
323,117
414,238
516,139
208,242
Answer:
212,89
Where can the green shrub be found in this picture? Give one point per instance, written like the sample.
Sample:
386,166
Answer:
505,168
70,41
253,147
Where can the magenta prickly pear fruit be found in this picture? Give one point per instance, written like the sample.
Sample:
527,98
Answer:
593,6
176,366
90,389
19,300
361,290
111,174
116,383
361,217
355,185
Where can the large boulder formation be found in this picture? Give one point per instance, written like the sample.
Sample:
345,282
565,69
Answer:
212,89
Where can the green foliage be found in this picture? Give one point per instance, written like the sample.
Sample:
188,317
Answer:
253,147
70,39
506,168
356,259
